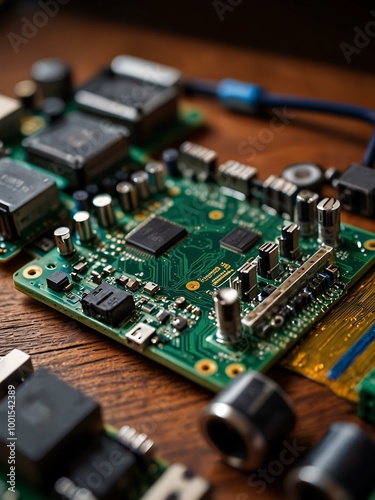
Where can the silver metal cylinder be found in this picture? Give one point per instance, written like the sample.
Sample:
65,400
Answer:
329,211
104,210
156,174
127,196
227,309
83,226
142,184
64,242
306,211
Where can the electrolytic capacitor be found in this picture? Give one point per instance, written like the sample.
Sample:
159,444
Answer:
54,78
141,182
53,109
268,260
329,212
156,174
247,420
289,241
127,196
81,199
170,159
83,226
104,210
64,241
227,309
26,93
341,466
306,211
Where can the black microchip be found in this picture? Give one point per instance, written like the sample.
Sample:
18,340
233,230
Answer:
240,240
78,147
106,468
53,421
156,236
108,303
57,281
180,323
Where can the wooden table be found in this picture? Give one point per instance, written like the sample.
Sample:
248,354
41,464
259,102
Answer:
132,389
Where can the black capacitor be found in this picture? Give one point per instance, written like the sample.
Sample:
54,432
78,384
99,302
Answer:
170,159
82,200
341,466
26,92
122,175
53,109
92,189
109,185
246,420
54,78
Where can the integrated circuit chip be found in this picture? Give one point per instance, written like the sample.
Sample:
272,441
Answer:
240,240
78,147
156,236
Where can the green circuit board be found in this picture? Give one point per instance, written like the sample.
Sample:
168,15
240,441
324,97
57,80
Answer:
191,271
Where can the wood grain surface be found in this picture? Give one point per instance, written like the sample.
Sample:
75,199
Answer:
132,389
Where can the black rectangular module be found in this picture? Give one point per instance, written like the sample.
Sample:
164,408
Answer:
240,240
57,281
156,236
140,94
108,303
26,199
106,468
53,421
78,147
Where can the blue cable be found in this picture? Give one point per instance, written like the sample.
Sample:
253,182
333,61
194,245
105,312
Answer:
251,98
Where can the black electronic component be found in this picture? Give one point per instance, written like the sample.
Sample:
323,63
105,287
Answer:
53,109
329,211
266,292
245,283
151,288
10,118
105,213
27,198
306,211
340,466
304,175
196,162
333,272
122,280
356,190
64,241
53,421
53,76
180,323
240,240
26,91
15,367
170,159
156,236
140,94
92,189
78,147
107,303
106,468
289,241
268,260
317,284
57,281
246,420
181,302
163,316
280,195
80,267
108,185
81,199
228,314
236,176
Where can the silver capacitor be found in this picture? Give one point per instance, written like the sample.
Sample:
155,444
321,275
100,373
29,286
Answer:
329,212
142,184
83,226
227,309
156,174
64,242
306,212
104,210
127,196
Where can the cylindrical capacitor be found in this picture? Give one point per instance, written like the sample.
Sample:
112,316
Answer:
156,174
26,93
170,159
341,466
289,241
246,420
329,211
83,226
141,182
127,196
81,199
54,78
64,241
104,210
53,108
306,211
227,309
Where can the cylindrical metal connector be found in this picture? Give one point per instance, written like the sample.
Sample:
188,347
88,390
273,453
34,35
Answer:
127,196
227,309
104,210
329,211
83,226
306,211
64,241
